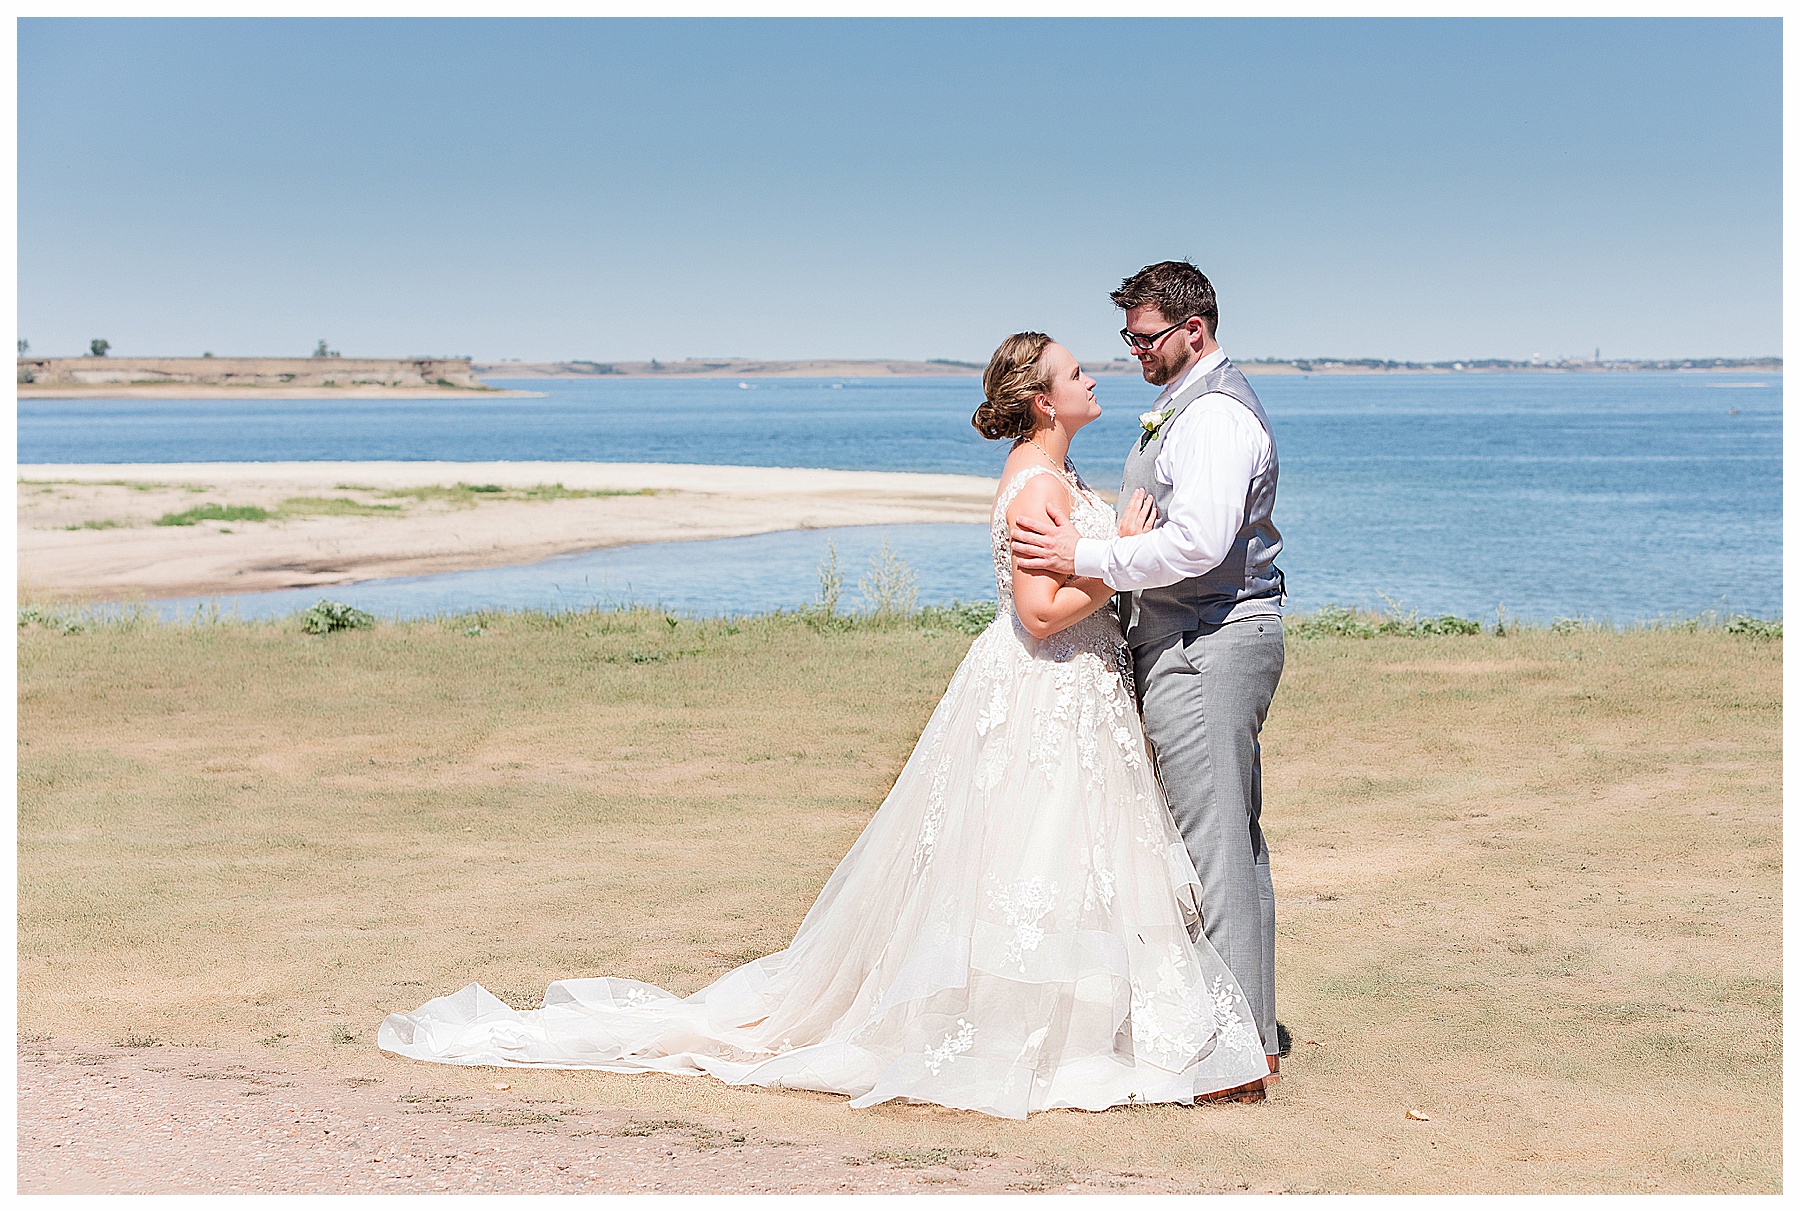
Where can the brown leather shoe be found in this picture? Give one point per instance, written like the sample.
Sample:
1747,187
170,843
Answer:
1249,1092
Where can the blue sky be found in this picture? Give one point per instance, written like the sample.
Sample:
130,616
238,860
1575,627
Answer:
622,189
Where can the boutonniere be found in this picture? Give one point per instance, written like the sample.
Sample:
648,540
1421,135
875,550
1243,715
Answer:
1153,421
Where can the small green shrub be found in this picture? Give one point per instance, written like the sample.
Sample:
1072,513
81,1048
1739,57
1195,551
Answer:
1754,628
1363,625
1447,624
969,618
95,524
72,622
326,616
211,512
1332,621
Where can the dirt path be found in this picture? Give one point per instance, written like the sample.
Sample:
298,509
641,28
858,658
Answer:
106,1119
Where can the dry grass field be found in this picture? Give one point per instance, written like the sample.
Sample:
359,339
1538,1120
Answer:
1530,885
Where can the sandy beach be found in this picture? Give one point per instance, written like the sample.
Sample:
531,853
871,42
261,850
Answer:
90,532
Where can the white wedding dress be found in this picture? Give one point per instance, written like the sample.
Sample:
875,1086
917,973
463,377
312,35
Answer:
1016,928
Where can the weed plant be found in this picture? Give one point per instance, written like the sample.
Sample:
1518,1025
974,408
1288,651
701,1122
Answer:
890,588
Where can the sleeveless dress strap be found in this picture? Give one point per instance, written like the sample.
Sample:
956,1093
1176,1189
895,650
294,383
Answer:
1017,482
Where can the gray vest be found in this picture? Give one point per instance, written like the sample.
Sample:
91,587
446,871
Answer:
1246,582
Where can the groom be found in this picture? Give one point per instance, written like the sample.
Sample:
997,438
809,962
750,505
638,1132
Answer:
1200,603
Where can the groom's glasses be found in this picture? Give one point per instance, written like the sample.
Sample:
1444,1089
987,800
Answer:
1138,340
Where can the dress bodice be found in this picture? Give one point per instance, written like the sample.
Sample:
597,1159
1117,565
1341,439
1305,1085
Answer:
1092,517
1098,633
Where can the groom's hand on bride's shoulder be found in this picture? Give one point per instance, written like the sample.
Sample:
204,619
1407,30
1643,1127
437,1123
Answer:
1045,544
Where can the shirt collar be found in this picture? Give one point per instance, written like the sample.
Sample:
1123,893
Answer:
1195,373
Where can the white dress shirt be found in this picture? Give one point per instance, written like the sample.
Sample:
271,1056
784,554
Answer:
1209,456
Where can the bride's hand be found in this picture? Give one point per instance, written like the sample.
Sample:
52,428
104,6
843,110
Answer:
1137,516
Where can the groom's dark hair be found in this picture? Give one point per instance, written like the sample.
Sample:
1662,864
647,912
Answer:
1174,288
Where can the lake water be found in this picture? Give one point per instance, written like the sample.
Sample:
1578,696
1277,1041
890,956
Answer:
1614,495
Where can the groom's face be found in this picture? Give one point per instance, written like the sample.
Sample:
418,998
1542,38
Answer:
1164,362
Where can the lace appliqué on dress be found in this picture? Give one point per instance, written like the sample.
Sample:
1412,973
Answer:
952,1047
1024,905
1168,1022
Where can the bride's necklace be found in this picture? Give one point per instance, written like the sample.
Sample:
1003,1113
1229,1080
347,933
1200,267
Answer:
1045,453
1062,471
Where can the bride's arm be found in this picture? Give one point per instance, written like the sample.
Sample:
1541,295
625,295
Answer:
1047,604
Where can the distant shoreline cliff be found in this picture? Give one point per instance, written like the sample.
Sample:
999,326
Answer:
332,377
249,378
270,373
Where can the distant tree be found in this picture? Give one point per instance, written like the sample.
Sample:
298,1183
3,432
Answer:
24,347
207,354
325,351
98,346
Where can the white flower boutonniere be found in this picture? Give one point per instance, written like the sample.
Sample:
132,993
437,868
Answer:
1153,421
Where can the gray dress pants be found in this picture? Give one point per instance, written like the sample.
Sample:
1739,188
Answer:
1205,695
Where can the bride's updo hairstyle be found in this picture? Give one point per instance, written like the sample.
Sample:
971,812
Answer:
1012,380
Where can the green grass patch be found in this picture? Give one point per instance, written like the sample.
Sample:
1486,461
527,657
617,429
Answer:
313,507
95,524
467,495
460,495
134,485
1343,622
212,512
556,492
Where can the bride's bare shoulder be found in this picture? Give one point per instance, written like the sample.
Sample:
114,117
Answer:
1029,498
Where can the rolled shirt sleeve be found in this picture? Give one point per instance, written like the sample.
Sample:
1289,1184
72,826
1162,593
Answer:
1213,450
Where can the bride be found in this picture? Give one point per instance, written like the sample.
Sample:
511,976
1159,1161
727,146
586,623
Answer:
1016,929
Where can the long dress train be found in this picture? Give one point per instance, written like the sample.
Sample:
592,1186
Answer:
1015,929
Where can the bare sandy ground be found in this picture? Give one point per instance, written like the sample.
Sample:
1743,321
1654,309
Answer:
88,531
106,1119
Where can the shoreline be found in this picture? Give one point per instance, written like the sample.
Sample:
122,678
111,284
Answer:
90,532
829,369
524,373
